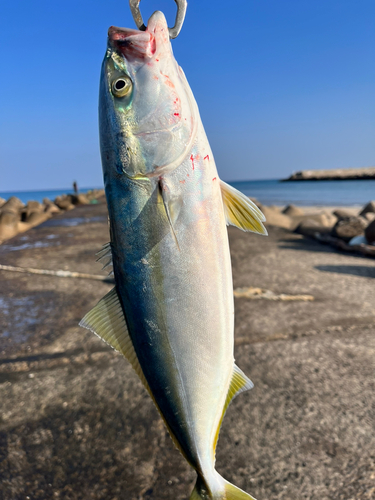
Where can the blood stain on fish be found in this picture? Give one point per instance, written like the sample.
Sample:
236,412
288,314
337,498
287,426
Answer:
192,160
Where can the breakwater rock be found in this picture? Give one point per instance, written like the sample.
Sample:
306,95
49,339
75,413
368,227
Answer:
15,217
348,229
333,175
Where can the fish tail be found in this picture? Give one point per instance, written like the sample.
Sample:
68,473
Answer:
234,493
226,491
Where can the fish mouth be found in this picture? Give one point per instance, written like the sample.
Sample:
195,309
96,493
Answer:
136,44
133,44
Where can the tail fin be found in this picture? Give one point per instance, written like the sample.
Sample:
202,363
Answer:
229,492
234,493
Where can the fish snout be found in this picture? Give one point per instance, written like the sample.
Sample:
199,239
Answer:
133,44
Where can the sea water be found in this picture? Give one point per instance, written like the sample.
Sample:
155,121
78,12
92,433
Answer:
309,193
268,192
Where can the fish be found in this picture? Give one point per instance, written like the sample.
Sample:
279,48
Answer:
171,312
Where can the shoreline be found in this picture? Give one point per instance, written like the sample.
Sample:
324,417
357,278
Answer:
268,192
348,227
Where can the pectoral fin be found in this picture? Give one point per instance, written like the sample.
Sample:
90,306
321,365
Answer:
171,216
239,383
240,211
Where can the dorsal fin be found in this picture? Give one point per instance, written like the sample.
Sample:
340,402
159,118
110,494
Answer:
239,383
107,321
240,211
105,256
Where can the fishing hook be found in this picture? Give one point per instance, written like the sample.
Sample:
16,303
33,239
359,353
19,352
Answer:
180,16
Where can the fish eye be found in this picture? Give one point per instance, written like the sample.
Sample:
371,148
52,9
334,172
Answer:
121,86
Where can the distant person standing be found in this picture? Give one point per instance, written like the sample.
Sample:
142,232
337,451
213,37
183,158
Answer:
75,187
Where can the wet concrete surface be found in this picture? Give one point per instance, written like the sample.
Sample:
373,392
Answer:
76,423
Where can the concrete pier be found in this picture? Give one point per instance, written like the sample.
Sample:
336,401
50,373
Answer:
76,423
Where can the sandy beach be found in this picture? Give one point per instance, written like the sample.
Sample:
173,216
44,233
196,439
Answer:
76,422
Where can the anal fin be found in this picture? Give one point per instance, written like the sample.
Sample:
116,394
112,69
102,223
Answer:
239,383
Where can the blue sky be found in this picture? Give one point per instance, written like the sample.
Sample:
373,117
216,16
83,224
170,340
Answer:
281,85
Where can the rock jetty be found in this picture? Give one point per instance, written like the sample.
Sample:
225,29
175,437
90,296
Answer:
348,229
16,217
338,174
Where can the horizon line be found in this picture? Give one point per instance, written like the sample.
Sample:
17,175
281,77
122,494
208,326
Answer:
102,187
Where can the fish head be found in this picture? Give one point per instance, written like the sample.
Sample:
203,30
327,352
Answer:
147,112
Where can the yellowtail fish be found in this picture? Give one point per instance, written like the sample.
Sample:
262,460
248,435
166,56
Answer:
171,312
